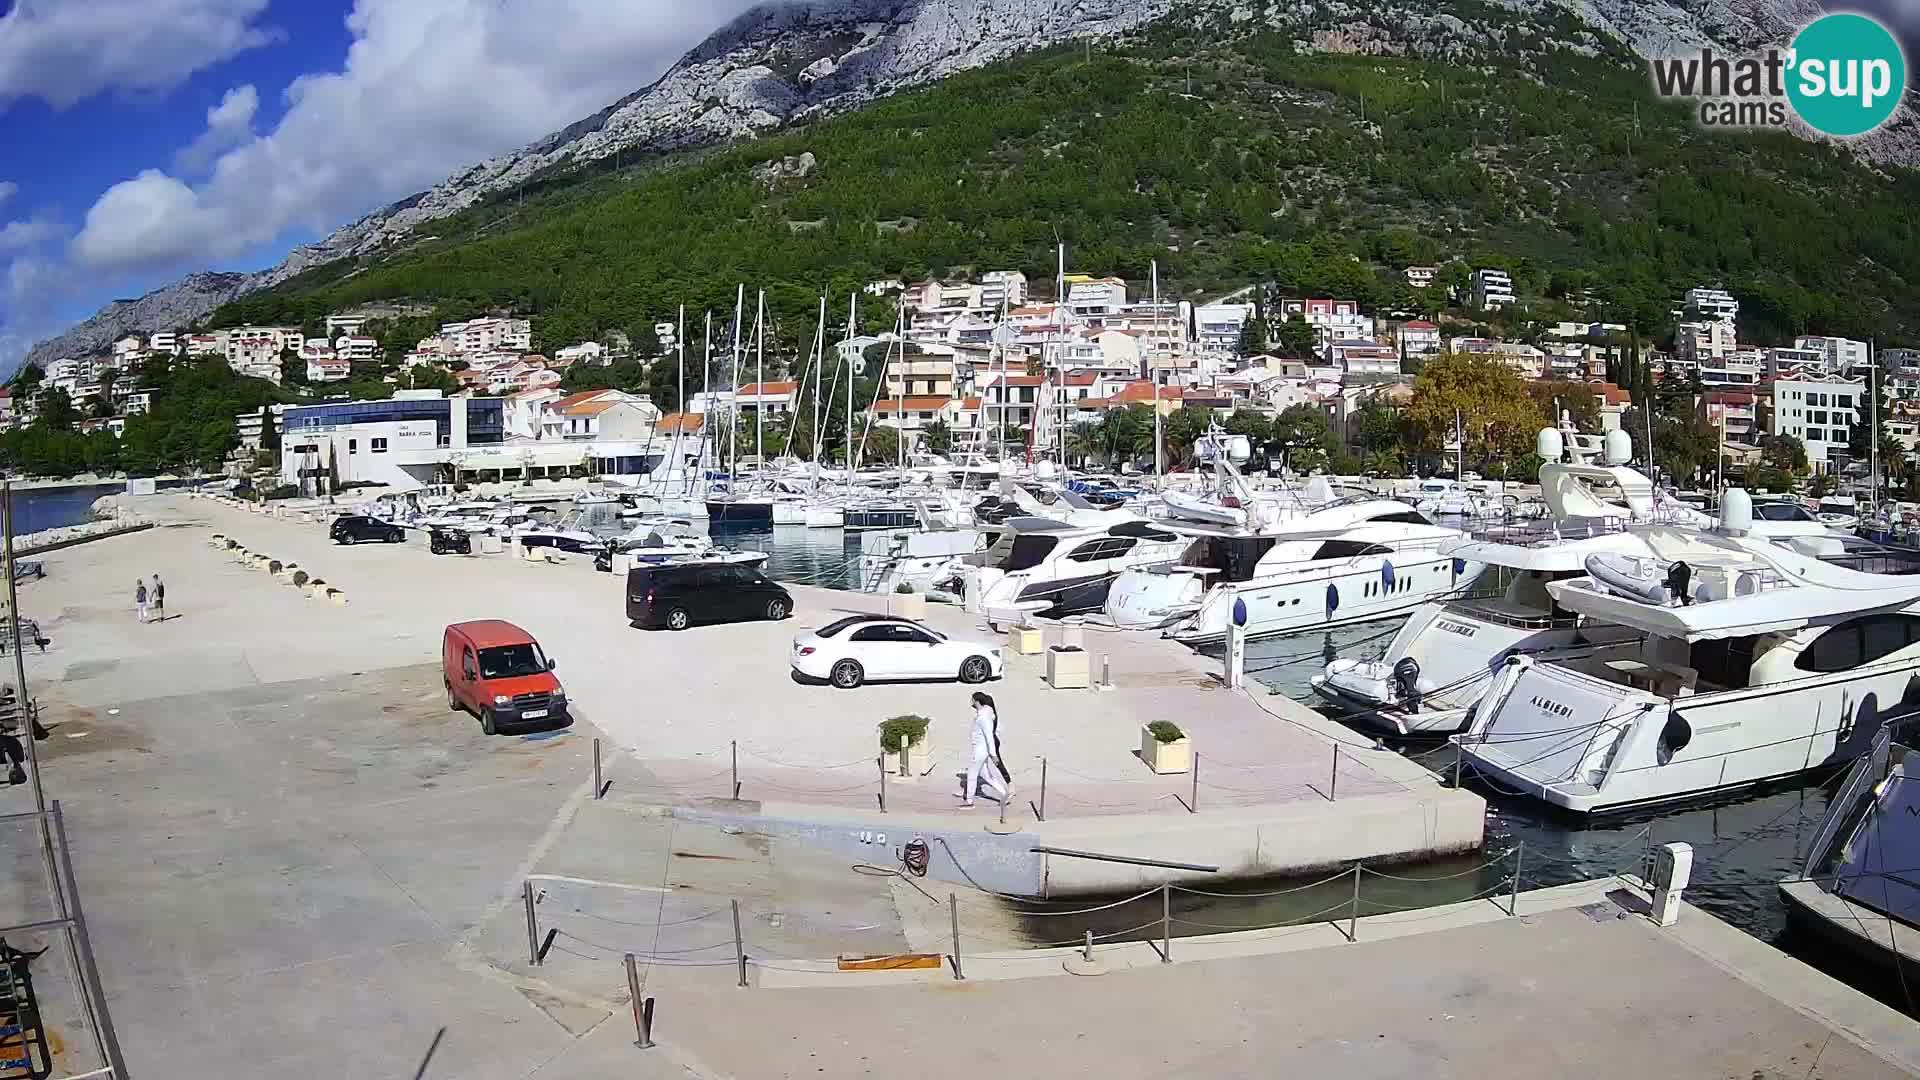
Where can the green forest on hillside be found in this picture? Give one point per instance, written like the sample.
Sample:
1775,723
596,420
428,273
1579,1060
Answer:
1226,163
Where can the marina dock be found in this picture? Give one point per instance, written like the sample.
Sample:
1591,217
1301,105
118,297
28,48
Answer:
283,837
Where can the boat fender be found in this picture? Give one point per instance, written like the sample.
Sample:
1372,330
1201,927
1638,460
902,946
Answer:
1673,738
1333,598
1678,576
1406,682
1386,575
1459,567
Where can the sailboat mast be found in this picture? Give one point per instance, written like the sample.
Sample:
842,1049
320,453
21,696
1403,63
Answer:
1153,372
706,398
760,376
680,390
819,376
900,395
733,414
1056,373
853,309
1873,445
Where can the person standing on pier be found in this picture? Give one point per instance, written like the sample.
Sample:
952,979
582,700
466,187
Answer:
987,767
159,598
140,597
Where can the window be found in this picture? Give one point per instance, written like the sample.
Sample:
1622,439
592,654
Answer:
1727,662
353,446
1106,547
1844,401
898,633
1859,641
467,667
378,446
1819,417
1815,434
835,627
1404,517
512,661
1345,549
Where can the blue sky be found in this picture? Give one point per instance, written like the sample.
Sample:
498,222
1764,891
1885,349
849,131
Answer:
141,140
144,139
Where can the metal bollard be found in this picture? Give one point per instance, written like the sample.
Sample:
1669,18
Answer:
736,769
642,1010
739,943
1041,810
1353,914
881,762
906,759
533,925
1333,784
1166,923
1193,806
596,769
953,909
1106,671
1087,953
1519,858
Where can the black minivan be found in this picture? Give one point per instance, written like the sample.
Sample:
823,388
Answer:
676,597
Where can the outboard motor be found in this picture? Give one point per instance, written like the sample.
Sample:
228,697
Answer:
1678,576
1406,683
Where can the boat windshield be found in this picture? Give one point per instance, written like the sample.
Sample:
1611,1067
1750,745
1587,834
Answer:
1829,506
1782,511
1235,557
510,661
1028,552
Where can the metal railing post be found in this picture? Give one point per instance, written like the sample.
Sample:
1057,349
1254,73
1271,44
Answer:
1333,783
1193,807
533,925
1353,914
96,994
881,762
596,769
1166,923
953,909
735,744
740,942
642,1010
1519,858
1457,756
1041,811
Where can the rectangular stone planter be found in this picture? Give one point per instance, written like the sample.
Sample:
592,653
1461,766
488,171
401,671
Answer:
1025,641
1167,757
907,605
915,759
1069,669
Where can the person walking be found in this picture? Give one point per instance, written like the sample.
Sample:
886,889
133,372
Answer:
159,598
140,597
987,767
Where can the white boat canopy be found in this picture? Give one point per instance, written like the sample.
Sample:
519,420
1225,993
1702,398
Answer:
1767,610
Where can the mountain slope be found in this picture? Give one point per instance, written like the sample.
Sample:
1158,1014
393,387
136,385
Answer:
785,63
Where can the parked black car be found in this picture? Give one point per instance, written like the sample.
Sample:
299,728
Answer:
354,528
676,597
450,541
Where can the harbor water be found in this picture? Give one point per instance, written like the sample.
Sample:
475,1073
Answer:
35,509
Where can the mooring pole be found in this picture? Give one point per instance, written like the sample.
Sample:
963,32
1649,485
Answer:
1041,812
881,761
1519,858
596,769
1353,914
1333,783
736,769
739,944
642,1009
533,925
1166,923
953,909
1193,807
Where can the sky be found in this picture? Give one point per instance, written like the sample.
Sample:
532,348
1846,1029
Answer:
141,140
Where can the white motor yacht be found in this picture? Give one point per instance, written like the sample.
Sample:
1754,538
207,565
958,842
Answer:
1838,512
1041,566
1442,660
1758,661
1296,566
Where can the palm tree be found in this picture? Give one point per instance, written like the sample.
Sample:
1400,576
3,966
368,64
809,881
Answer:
1086,439
1384,462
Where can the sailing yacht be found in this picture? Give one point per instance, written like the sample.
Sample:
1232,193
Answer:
1758,661
1308,565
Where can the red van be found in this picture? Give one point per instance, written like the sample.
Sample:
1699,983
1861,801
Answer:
496,671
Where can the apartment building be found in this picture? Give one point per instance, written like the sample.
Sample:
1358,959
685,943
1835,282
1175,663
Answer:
777,398
1332,320
1217,327
331,369
1096,299
1420,277
1715,305
252,348
1363,358
356,349
486,336
163,342
1707,340
1818,412
1492,288
1841,356
1736,410
1741,367
1002,287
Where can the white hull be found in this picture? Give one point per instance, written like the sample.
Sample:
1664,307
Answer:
789,512
1592,746
1313,597
683,506
824,517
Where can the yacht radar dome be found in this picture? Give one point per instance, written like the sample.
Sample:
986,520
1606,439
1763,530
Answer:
1549,445
1619,447
1736,512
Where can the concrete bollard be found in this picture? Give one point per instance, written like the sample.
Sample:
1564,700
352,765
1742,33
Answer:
336,596
1672,869
275,566
298,577
314,587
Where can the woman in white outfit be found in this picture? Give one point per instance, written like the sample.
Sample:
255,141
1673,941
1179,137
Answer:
987,764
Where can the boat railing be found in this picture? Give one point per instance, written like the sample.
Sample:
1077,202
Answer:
1491,611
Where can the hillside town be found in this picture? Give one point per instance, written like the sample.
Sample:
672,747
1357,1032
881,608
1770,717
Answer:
982,365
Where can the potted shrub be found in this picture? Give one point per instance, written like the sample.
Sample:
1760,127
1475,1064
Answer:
1164,747
906,603
903,740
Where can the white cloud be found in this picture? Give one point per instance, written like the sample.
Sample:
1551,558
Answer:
7,188
21,235
64,52
229,124
428,87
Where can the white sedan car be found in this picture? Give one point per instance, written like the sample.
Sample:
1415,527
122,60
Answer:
853,650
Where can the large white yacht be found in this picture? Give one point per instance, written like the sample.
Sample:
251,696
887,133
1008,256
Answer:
1758,661
1444,658
1302,565
1042,566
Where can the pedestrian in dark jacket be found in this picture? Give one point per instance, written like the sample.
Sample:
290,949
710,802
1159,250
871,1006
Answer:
159,595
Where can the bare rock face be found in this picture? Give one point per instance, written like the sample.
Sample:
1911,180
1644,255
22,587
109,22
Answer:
797,167
788,61
166,308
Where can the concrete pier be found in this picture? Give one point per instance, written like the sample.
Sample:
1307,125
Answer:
688,705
